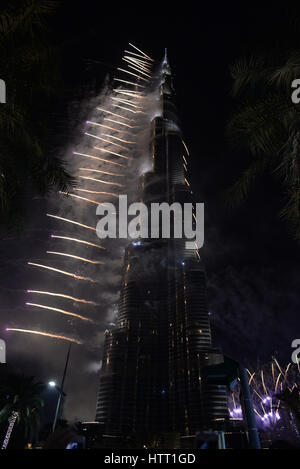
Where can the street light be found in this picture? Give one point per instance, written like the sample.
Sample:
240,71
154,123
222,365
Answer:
61,393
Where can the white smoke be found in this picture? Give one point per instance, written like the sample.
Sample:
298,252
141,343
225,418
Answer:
104,292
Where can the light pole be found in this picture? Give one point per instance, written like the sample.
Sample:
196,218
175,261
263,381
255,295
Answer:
60,389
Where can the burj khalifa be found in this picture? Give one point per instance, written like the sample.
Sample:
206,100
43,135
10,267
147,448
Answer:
152,378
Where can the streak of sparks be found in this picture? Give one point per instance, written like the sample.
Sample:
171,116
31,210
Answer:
107,141
111,143
46,334
103,182
143,62
70,274
278,366
113,153
138,55
126,109
119,139
137,63
111,128
96,192
139,70
130,73
74,257
62,311
141,52
186,148
97,158
102,172
120,123
78,241
71,221
126,101
277,382
129,83
95,202
109,112
132,94
62,295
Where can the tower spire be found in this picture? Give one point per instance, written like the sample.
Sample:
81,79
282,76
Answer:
166,74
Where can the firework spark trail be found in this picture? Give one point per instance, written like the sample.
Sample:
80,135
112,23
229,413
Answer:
145,59
133,74
126,109
129,82
102,139
112,143
95,202
46,334
62,295
140,51
132,94
110,183
140,61
62,311
100,171
98,158
126,101
96,192
138,69
88,243
71,221
137,65
120,123
111,128
74,257
113,153
120,139
186,148
123,114
112,114
266,400
70,274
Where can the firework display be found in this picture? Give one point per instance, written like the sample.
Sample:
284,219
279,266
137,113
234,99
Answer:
269,385
109,147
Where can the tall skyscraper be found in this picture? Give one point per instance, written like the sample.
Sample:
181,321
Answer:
152,372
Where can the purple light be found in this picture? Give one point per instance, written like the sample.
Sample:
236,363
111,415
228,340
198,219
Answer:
238,410
267,398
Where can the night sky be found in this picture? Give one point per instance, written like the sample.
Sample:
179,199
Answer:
251,261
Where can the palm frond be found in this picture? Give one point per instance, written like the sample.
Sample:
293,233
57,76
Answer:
238,192
26,15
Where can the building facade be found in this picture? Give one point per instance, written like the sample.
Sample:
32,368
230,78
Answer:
151,379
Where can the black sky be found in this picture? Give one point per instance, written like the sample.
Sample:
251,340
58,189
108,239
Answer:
251,261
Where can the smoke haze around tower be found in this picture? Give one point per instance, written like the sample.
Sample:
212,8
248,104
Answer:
72,288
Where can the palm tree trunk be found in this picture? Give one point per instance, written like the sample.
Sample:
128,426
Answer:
12,422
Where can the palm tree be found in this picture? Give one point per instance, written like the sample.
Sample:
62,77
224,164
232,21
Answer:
20,403
266,125
29,65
